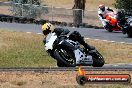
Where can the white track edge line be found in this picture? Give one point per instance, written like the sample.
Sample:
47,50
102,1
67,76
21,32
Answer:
110,41
93,39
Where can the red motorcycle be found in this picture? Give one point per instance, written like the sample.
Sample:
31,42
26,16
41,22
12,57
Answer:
121,21
112,22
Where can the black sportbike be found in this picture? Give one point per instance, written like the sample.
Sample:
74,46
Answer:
69,53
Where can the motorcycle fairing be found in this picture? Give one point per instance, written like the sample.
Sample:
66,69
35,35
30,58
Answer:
50,40
81,58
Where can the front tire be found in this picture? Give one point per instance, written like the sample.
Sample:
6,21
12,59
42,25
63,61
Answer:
109,30
129,33
108,27
64,60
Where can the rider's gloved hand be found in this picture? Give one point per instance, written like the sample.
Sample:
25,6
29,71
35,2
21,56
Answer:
105,22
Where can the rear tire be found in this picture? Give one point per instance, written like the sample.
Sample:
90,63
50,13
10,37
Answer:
98,60
61,59
60,64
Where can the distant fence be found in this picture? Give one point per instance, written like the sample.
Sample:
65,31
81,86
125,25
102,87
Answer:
43,13
48,13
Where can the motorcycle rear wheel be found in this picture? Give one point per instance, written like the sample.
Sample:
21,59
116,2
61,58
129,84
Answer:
60,64
98,60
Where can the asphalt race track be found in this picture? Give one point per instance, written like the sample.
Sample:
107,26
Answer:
101,34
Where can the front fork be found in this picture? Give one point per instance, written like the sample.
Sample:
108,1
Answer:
124,29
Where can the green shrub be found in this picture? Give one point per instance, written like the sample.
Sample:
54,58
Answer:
124,4
26,8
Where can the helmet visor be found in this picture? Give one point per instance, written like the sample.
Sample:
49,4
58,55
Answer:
102,8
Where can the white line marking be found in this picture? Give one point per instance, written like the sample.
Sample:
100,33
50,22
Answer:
87,38
96,39
105,40
122,42
111,41
129,43
39,33
28,32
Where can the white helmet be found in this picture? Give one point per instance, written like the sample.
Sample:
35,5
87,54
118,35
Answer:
102,7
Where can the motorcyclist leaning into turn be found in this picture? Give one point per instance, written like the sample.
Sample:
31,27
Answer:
102,12
75,35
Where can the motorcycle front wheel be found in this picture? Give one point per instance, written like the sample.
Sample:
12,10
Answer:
108,27
129,33
109,30
65,58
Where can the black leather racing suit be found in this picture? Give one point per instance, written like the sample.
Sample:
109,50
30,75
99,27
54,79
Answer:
75,36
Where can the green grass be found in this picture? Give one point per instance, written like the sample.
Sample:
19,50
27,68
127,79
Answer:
23,50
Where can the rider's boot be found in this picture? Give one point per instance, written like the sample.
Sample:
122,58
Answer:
87,46
76,36
107,26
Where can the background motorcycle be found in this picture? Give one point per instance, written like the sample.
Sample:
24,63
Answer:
125,22
120,22
112,22
66,52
